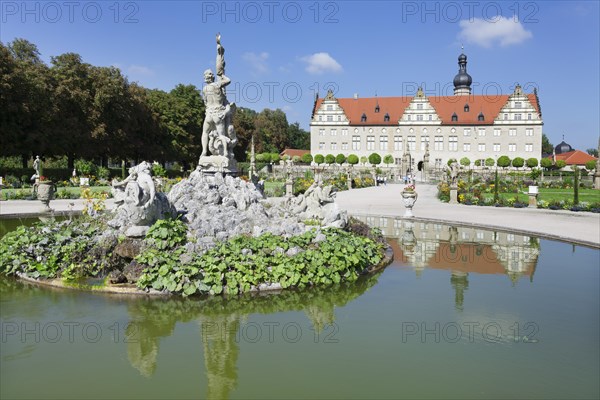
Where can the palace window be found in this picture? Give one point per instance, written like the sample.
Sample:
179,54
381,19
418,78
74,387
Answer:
528,131
424,141
466,146
466,108
419,117
528,146
438,143
329,107
334,132
344,145
397,143
481,132
430,117
481,117
505,117
420,106
529,117
453,143
512,147
356,142
330,118
512,132
496,131
496,147
412,141
518,117
321,145
370,142
517,104
481,146
344,132
383,143
467,132
321,132
377,108
333,146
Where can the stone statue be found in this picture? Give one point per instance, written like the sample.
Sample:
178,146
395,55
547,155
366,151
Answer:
318,203
218,134
36,168
138,203
453,173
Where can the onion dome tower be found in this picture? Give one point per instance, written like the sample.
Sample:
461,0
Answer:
462,80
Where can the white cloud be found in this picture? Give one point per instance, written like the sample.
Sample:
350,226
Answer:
139,70
486,33
257,61
319,63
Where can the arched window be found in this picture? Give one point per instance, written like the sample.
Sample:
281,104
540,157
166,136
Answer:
386,117
363,118
481,117
454,117
466,108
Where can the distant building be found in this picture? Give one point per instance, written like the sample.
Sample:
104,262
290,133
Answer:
462,125
293,152
564,151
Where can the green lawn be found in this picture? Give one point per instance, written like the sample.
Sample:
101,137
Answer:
75,191
585,195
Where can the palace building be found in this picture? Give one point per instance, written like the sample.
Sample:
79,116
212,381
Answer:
430,130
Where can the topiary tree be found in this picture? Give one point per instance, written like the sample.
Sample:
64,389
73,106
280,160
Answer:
260,157
518,162
275,157
296,159
489,162
266,157
388,159
478,162
307,158
465,162
285,157
340,158
560,164
450,161
352,159
590,165
363,160
319,159
374,159
503,161
532,162
329,159
546,163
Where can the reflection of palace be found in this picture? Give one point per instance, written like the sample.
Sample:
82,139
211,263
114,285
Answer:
462,250
219,322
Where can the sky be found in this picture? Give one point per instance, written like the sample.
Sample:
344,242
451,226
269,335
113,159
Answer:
280,54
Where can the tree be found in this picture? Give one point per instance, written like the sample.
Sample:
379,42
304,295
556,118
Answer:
296,159
590,165
546,163
503,161
340,159
352,159
451,160
532,162
374,159
307,158
275,157
388,159
489,162
243,123
560,164
319,159
478,162
547,147
271,127
465,162
518,162
297,138
329,159
363,160
592,152
266,157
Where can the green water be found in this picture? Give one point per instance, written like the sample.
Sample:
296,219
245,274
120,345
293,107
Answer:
461,313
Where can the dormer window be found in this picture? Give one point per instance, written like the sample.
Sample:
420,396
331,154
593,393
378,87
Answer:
386,117
481,117
454,117
518,104
377,108
466,108
363,118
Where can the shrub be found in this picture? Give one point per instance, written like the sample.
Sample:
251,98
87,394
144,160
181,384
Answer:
329,159
503,161
319,159
352,159
489,162
560,164
296,159
546,163
465,161
340,158
363,160
532,162
590,165
375,159
388,159
85,168
158,170
307,158
518,162
275,157
450,161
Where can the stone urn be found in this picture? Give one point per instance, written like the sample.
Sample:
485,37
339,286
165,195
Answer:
45,191
409,197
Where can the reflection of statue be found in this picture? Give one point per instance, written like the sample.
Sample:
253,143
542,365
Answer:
218,134
138,204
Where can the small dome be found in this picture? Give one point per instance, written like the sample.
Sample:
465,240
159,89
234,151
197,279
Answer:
462,57
462,79
563,147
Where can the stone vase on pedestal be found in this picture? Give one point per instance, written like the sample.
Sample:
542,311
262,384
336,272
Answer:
409,198
45,192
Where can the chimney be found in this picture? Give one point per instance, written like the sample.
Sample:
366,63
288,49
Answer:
355,96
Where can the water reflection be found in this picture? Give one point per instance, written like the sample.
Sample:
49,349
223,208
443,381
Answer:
460,250
219,320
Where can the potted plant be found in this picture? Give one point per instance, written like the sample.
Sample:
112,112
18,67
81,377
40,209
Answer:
409,197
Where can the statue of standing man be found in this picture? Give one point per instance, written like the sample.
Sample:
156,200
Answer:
218,135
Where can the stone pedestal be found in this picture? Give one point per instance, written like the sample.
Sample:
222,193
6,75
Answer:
409,199
289,188
349,181
533,194
222,164
453,196
597,180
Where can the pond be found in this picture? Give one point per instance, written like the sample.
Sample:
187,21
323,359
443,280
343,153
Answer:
460,313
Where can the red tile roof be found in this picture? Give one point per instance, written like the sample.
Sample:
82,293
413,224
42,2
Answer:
445,106
574,157
294,152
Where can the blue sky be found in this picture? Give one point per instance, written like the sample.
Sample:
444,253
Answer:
280,53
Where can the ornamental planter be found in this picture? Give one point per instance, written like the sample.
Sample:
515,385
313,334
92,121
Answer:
409,198
45,192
